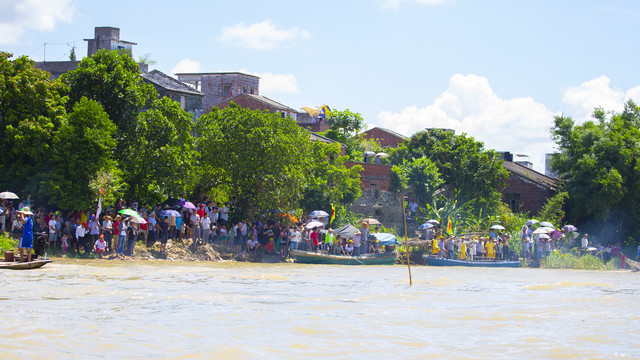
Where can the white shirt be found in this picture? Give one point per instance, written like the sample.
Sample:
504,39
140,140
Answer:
205,222
79,231
52,226
295,236
107,225
101,244
194,218
225,213
585,242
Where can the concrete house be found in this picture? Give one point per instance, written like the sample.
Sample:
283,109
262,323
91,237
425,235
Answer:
189,98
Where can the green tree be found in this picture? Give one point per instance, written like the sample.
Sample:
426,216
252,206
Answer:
344,126
463,163
259,157
112,79
330,181
161,156
600,163
421,174
83,146
31,110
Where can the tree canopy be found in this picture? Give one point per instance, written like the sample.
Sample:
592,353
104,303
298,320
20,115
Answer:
600,163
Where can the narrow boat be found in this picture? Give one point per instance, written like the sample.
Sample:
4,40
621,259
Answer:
634,265
310,257
438,261
25,265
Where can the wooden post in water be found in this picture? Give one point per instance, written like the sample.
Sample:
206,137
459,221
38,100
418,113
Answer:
406,239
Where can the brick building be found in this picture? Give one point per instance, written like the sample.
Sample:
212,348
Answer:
259,102
385,137
219,87
526,189
189,98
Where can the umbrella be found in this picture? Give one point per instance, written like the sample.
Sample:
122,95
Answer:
8,195
425,226
129,212
386,239
138,220
531,222
313,224
541,230
592,249
543,236
369,153
546,224
370,221
348,231
433,221
318,213
569,228
382,155
188,205
497,227
170,213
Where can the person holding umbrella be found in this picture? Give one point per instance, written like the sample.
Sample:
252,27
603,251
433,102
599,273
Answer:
26,241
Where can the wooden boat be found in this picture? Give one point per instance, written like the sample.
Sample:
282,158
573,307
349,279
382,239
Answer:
26,265
438,261
310,257
634,265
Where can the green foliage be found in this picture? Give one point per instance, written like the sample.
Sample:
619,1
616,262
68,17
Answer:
329,180
463,163
444,209
573,260
7,243
552,210
161,155
112,79
259,157
344,127
599,161
82,147
421,174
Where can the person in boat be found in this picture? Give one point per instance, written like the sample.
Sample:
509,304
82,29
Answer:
480,248
356,243
489,247
638,253
448,245
374,246
364,237
462,251
26,240
471,248
328,241
349,248
314,237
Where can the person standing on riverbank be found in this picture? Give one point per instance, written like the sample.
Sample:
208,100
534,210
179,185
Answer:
107,227
163,232
26,241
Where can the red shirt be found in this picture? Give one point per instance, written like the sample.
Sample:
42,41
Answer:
314,238
270,247
200,212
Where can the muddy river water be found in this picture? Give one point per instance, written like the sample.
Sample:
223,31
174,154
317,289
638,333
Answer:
200,310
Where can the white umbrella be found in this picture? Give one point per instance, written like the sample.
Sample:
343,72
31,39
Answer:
531,222
543,236
546,224
138,220
318,213
382,155
541,230
369,153
8,195
497,227
313,224
433,221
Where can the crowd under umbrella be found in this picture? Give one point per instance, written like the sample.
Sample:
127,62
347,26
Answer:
7,195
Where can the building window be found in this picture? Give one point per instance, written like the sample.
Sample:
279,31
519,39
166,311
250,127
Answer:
513,200
225,90
183,102
245,89
252,90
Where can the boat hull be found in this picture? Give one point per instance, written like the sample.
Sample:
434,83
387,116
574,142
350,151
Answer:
26,265
436,261
308,257
634,265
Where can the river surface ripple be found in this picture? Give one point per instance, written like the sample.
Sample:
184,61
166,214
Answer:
201,310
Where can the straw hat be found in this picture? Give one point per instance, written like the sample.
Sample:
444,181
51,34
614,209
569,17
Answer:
25,211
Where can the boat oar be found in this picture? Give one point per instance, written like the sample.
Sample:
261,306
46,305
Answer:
406,239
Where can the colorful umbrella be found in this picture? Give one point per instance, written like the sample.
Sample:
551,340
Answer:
569,228
129,212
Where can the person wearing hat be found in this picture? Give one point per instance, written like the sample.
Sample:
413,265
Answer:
348,249
53,229
26,241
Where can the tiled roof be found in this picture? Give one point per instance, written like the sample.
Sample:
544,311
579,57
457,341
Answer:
167,82
531,175
388,131
271,103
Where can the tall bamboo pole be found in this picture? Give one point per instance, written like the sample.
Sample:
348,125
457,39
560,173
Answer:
406,239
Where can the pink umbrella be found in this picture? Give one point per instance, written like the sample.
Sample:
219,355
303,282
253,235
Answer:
188,205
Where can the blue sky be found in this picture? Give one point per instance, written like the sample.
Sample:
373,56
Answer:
498,70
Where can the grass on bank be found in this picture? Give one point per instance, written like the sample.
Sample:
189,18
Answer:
572,260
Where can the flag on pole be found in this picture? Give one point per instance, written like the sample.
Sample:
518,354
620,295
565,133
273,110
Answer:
449,226
99,210
325,110
333,214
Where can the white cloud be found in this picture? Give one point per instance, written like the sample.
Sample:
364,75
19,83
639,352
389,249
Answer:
19,16
469,105
581,100
276,83
186,65
261,36
395,4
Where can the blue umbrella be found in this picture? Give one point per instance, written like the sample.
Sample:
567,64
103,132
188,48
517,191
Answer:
425,226
170,213
386,239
